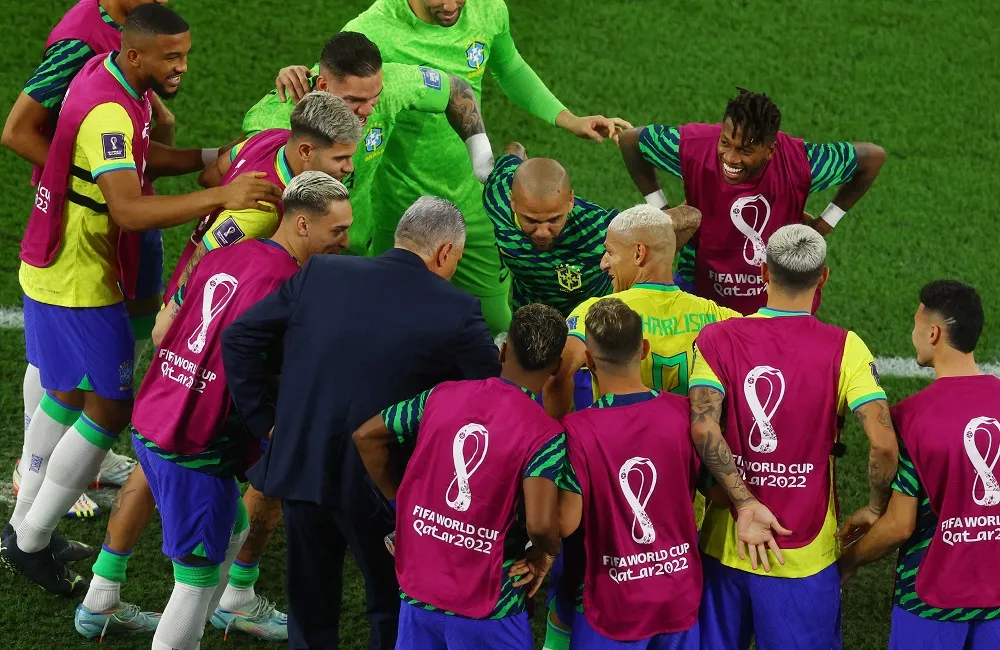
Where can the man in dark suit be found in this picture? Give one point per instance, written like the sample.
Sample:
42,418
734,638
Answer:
357,335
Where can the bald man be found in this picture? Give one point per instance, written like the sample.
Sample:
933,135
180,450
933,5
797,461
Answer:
551,240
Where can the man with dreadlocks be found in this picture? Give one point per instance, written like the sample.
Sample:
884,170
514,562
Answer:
748,179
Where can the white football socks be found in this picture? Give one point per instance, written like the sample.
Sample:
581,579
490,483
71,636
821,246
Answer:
32,392
103,595
183,620
234,599
235,544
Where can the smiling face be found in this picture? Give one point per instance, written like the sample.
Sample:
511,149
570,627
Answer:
439,12
741,161
359,93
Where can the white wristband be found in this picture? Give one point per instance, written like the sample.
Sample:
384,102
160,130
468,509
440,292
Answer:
657,199
832,215
210,155
480,155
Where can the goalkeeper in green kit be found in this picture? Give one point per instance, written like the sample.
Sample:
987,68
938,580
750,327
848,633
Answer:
460,38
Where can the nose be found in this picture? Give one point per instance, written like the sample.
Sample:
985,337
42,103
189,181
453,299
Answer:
349,166
606,263
366,109
731,158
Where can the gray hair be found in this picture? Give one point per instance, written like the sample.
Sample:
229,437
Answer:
313,192
646,225
325,117
430,223
796,257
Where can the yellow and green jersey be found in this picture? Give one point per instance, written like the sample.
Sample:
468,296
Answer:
857,385
671,320
404,87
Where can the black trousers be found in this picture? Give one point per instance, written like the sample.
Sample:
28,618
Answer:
318,538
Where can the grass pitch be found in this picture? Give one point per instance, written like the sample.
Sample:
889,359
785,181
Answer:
919,79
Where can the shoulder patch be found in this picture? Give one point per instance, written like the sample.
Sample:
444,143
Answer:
571,322
432,78
228,232
875,376
114,145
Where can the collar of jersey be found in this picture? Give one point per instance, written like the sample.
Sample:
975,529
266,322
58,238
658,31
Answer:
116,72
521,388
282,167
106,17
607,400
780,313
656,286
274,244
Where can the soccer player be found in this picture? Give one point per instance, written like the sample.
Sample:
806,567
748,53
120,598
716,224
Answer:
323,137
946,492
551,240
482,450
351,67
190,445
321,134
89,29
748,179
781,380
75,265
630,493
423,158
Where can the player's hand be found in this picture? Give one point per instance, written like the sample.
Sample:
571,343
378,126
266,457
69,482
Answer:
856,525
846,566
517,149
161,114
247,190
596,127
817,224
755,528
531,569
293,80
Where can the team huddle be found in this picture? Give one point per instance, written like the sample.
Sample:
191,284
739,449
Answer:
655,441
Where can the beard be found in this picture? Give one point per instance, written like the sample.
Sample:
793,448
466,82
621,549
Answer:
158,88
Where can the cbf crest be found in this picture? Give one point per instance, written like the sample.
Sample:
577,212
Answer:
125,374
373,140
569,276
475,55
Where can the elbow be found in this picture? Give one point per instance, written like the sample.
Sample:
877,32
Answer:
628,141
546,532
871,157
7,138
159,330
902,530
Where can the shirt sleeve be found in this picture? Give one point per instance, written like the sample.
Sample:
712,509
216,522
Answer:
105,137
403,419
859,381
235,151
907,481
576,320
660,146
60,64
548,461
413,87
272,113
518,81
233,226
496,190
831,164
702,374
567,479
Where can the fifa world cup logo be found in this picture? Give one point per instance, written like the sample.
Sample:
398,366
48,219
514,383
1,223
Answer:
642,526
746,215
763,412
466,466
985,489
224,284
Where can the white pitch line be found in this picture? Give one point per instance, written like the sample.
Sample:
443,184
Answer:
12,318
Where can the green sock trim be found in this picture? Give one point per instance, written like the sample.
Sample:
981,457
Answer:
85,384
111,566
62,414
197,576
94,434
142,326
556,638
243,577
242,519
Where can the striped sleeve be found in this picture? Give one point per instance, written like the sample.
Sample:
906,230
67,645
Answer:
403,419
831,164
549,460
496,190
567,479
907,482
660,146
62,61
685,262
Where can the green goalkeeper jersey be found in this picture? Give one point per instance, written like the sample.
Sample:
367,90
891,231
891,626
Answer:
426,157
403,87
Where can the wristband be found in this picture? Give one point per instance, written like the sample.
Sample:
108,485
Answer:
657,199
210,155
832,215
480,155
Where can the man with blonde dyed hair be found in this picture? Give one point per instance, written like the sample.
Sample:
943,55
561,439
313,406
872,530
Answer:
639,256
781,380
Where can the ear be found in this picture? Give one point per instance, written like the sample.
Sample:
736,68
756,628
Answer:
936,334
645,349
133,56
572,200
302,225
591,364
765,273
824,277
322,83
771,148
443,253
503,352
305,150
641,254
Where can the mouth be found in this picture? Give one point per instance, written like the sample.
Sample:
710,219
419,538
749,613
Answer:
446,17
731,172
172,81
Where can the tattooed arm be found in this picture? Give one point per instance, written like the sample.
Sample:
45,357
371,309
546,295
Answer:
756,524
465,117
883,457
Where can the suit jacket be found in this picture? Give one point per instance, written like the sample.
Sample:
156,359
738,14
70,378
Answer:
357,335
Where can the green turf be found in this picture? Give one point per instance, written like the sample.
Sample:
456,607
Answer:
917,78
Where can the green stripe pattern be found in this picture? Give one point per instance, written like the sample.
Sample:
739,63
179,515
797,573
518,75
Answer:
61,63
510,603
563,277
912,553
403,419
218,460
831,164
660,146
549,460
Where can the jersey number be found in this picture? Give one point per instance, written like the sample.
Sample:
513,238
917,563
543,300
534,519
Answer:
671,373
